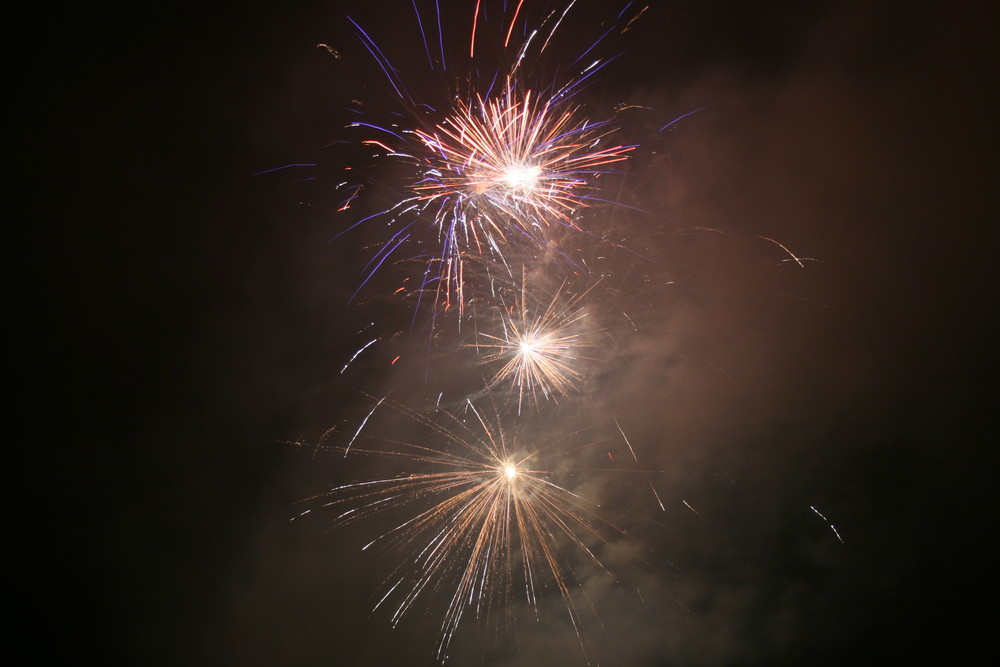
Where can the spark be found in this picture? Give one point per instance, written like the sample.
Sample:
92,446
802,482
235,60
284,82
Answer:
635,458
359,351
363,422
558,23
832,527
500,170
798,260
517,11
674,122
634,19
329,49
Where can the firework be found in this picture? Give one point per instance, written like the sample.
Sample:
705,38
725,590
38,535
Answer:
489,518
493,172
514,162
498,177
501,171
541,351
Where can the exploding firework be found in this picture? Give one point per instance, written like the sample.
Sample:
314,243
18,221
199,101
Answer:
501,171
541,350
493,172
485,512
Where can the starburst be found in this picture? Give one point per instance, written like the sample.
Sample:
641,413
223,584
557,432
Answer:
541,351
499,171
485,512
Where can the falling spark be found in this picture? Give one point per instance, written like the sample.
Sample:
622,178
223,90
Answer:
832,527
688,505
363,422
360,350
636,459
790,253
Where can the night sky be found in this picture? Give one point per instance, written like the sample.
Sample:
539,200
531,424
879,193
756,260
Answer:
181,319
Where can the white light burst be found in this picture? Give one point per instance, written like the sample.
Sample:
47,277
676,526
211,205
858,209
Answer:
541,353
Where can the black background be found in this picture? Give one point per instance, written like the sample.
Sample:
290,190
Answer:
177,318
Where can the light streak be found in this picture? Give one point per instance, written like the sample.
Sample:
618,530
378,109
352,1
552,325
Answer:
791,254
688,505
363,422
517,11
682,117
832,527
359,351
635,458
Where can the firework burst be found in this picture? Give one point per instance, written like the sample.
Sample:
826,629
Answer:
500,171
491,174
485,513
515,162
541,350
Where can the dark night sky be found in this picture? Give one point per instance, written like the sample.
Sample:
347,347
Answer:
181,317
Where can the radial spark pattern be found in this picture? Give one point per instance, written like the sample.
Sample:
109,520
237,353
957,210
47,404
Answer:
542,350
501,170
491,520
